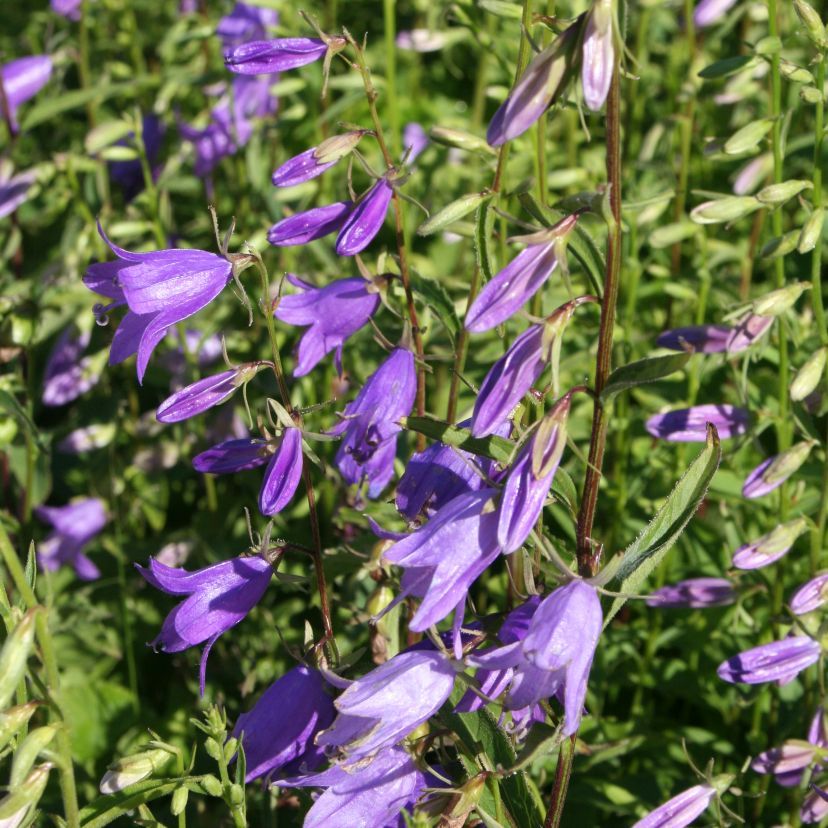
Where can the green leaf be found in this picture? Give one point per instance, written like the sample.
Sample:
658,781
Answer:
645,553
541,740
9,403
643,371
725,67
496,448
452,212
436,297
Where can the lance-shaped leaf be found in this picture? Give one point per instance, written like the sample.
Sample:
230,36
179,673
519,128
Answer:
452,212
643,371
645,553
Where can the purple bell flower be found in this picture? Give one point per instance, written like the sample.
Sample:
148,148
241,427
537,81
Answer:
333,312
370,795
279,730
705,339
70,9
14,189
245,22
778,661
815,806
770,547
205,393
751,328
531,475
74,526
773,472
521,279
161,289
811,595
313,162
302,228
681,810
68,373
556,655
370,424
383,707
283,473
22,79
264,57
446,555
694,593
365,219
598,54
689,425
789,762
708,12
218,598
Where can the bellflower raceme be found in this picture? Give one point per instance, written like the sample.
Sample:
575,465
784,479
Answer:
789,762
264,57
218,598
161,289
370,424
371,795
384,706
706,339
708,12
313,162
14,189
598,55
245,22
445,556
521,279
556,655
205,393
681,810
22,79
770,547
694,593
74,526
529,478
333,312
312,224
68,373
689,425
811,595
283,473
778,661
279,731
773,472
365,219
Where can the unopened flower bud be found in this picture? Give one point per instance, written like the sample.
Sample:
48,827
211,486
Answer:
780,246
13,720
748,137
14,655
808,377
28,750
811,95
776,194
774,471
452,212
212,785
179,801
811,231
26,794
460,139
721,210
779,301
205,393
132,769
796,74
770,547
814,27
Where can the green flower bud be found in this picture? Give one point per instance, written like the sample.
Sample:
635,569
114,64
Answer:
808,377
179,801
236,795
211,785
213,748
132,769
461,140
777,302
452,212
338,146
729,208
26,794
811,231
776,194
814,27
779,246
794,73
14,655
13,720
811,95
28,750
748,137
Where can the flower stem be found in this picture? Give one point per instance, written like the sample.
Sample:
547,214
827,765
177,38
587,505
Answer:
389,25
563,771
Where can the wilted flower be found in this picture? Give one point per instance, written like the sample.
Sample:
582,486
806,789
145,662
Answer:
370,795
521,279
74,525
384,706
22,79
14,189
313,162
778,661
706,339
556,655
161,289
333,312
770,547
315,223
370,424
598,56
264,57
245,22
708,12
283,472
811,595
689,425
278,733
205,393
68,373
681,810
365,219
70,9
218,598
529,478
789,761
773,472
446,555
695,593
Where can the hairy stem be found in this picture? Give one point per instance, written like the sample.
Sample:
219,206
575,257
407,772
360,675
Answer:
563,771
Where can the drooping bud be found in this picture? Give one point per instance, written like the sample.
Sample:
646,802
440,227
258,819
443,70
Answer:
774,471
777,661
366,218
132,769
770,547
779,301
748,137
309,225
809,376
598,55
811,231
313,162
681,810
749,330
811,595
264,57
689,425
775,194
722,210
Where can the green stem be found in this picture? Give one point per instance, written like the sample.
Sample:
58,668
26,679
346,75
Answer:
389,23
816,253
563,771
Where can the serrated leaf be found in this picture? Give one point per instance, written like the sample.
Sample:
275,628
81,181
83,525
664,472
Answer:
643,371
646,552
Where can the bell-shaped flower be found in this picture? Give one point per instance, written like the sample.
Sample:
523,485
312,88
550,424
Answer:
278,733
770,547
161,289
689,425
530,476
265,57
365,219
773,472
789,762
814,807
22,79
521,279
284,465
708,12
370,424
14,189
315,223
218,598
681,810
598,54
333,313
543,80
811,595
694,593
705,339
778,661
74,526
313,162
446,555
205,393
383,707
69,374
370,795
245,22
556,655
